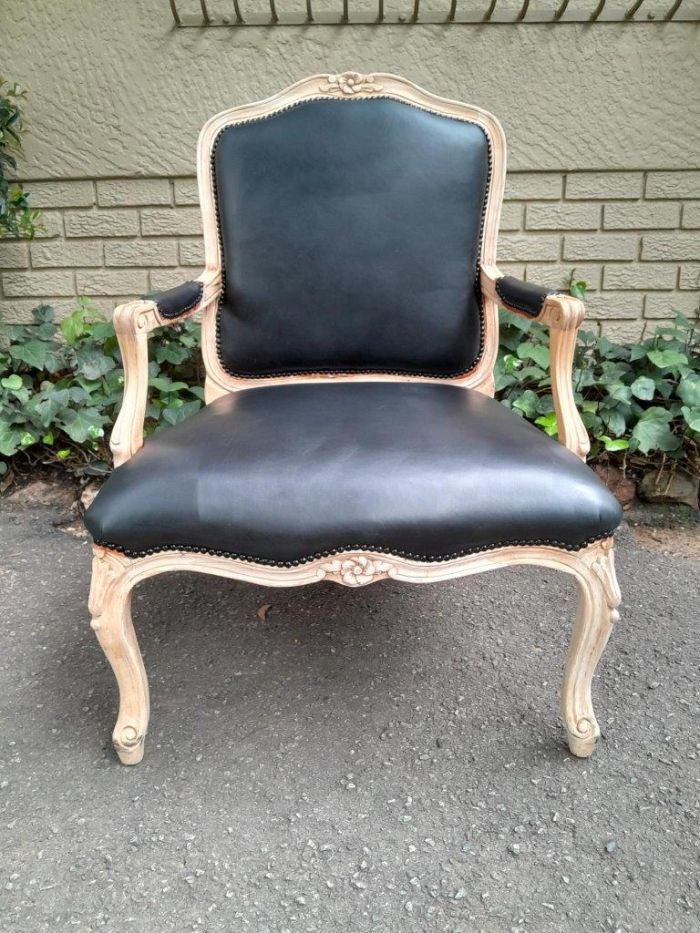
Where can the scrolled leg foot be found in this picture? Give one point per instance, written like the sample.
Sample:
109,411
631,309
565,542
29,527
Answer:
128,744
598,598
583,740
110,606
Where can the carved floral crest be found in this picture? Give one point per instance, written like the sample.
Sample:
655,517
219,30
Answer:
357,571
349,83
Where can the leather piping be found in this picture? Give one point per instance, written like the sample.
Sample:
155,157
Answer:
388,372
351,549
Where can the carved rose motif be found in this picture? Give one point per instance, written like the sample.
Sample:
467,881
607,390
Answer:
357,571
349,83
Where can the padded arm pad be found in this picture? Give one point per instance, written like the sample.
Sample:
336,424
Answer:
178,301
524,297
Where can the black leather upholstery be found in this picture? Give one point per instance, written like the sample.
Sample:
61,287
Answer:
178,300
282,473
351,235
525,297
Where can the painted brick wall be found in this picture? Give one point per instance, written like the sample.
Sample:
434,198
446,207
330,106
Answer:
633,236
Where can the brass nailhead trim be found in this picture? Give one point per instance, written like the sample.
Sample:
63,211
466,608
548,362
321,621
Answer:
367,548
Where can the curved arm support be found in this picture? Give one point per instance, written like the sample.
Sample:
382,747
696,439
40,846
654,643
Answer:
132,324
563,315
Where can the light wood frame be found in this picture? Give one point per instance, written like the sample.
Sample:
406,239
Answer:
114,575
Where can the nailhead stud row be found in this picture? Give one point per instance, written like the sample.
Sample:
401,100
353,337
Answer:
365,548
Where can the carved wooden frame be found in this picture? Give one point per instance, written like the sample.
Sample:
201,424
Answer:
114,574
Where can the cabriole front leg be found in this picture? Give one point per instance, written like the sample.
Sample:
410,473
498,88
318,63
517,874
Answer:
110,608
598,598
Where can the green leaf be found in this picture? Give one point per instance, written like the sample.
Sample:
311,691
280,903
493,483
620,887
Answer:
93,363
692,417
13,382
10,435
178,412
533,351
527,403
643,387
578,289
74,327
689,389
592,423
614,420
77,395
102,331
81,425
43,314
656,413
528,373
617,444
502,381
620,392
514,322
651,432
613,371
97,468
64,453
171,354
34,353
667,359
44,331
14,332
606,349
165,385
545,404
548,422
46,406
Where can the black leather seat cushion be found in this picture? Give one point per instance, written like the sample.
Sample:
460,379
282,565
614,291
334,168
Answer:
284,473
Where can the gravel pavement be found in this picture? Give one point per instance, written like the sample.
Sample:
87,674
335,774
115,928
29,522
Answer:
383,759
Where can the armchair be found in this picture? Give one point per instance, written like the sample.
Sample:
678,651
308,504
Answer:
349,332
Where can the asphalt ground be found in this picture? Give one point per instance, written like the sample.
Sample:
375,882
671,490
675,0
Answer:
381,759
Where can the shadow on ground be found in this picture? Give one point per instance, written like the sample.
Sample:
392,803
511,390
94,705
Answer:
384,759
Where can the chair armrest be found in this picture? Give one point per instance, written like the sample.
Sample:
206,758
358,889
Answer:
177,303
132,324
524,298
563,315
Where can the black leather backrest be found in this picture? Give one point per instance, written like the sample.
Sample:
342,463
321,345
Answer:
350,234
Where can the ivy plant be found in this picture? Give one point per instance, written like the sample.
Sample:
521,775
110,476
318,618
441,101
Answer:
641,401
61,386
17,218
